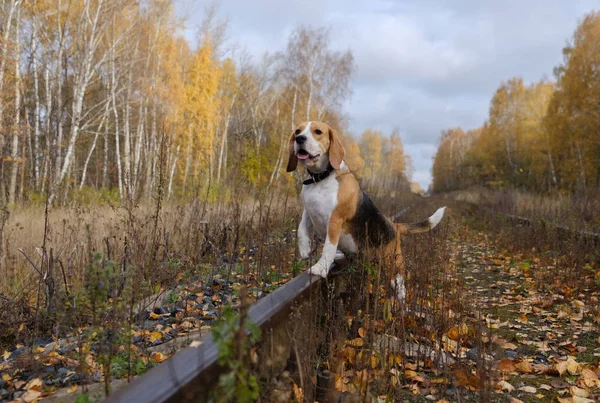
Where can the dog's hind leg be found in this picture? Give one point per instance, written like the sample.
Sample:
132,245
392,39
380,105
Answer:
395,262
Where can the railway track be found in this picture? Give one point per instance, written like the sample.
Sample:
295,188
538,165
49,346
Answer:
191,373
289,330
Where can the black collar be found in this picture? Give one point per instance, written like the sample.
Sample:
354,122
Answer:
318,177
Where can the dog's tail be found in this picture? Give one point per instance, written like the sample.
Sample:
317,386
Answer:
422,226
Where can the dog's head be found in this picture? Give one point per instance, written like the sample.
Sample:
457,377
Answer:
315,145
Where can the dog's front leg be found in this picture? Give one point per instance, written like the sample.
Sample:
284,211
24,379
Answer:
303,237
321,268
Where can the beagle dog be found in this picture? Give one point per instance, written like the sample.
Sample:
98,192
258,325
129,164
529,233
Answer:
339,211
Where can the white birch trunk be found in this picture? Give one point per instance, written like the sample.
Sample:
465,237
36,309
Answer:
84,75
172,173
3,59
93,147
36,119
224,139
12,189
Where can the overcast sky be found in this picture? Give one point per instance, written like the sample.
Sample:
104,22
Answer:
422,65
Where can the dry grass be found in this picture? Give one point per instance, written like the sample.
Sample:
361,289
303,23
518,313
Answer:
150,244
580,212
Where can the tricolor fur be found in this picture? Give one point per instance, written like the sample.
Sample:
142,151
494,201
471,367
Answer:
340,212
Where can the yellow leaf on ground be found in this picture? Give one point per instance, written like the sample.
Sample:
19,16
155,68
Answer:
298,394
155,336
34,384
524,366
158,357
31,395
374,361
587,373
507,366
72,389
362,332
573,366
410,373
561,367
457,332
358,342
575,391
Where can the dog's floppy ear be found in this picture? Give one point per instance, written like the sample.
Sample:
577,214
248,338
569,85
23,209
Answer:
336,149
293,160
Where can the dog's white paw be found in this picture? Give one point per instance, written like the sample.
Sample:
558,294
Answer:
304,250
399,288
339,255
320,268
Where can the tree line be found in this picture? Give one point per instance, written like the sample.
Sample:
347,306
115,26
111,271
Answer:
108,96
544,136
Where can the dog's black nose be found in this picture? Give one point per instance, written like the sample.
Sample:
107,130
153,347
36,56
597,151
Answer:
300,139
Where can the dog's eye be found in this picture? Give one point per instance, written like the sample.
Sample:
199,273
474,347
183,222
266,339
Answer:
297,132
318,131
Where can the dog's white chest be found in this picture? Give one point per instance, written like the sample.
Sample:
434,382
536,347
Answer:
319,201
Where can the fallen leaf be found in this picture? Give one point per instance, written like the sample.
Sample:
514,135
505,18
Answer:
587,373
362,332
34,384
374,361
507,366
559,384
457,332
524,366
528,389
31,395
573,366
570,365
154,336
575,391
72,389
460,378
503,385
158,357
298,393
410,373
358,342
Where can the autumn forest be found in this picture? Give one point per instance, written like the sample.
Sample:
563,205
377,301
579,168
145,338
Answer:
107,97
543,136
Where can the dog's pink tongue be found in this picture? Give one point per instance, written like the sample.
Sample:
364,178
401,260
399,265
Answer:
302,156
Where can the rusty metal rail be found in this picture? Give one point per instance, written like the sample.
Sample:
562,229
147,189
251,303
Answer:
595,236
189,374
